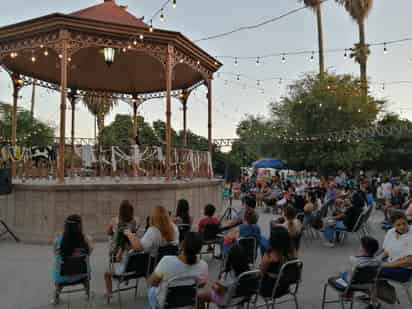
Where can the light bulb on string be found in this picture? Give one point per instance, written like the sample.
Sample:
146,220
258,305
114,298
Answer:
236,62
283,58
151,26
141,37
46,52
312,57
359,110
162,15
33,59
385,49
174,4
345,55
339,108
320,105
238,77
257,61
383,87
258,83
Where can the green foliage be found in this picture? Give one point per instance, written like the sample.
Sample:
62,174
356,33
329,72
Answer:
29,131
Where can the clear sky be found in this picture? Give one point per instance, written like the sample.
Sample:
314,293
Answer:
389,20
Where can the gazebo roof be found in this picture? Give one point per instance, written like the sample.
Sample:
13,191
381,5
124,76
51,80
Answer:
109,12
139,66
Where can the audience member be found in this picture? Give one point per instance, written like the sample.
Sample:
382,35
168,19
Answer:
73,242
209,211
184,265
182,213
221,291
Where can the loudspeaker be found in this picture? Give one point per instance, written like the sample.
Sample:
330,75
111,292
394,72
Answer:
5,181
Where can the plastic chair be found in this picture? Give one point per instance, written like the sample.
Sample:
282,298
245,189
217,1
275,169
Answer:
290,274
181,292
73,266
358,228
363,280
137,266
167,250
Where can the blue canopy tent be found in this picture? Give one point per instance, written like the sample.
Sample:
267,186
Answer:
270,163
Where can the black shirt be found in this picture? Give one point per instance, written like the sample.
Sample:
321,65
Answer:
351,216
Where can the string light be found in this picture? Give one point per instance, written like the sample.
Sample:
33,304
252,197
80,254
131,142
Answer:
69,59
141,37
13,55
385,49
258,83
46,53
320,104
280,81
151,26
257,61
345,55
33,59
339,107
162,16
134,42
383,87
238,77
236,62
283,57
174,4
124,49
312,57
359,110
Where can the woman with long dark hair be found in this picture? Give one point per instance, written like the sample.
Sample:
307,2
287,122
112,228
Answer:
182,213
184,265
73,242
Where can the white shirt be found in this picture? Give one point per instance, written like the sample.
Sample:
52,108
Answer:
398,248
152,239
171,266
387,190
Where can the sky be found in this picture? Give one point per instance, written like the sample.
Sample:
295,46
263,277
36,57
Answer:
389,20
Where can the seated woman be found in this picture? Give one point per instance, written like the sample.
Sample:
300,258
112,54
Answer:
184,265
280,251
209,218
346,220
221,290
161,232
248,228
72,243
118,225
398,250
293,225
182,213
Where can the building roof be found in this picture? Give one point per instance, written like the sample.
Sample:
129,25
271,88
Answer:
109,11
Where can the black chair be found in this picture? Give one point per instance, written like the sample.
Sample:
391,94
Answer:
181,292
211,238
77,267
363,281
358,228
246,290
137,266
250,245
183,230
283,284
167,250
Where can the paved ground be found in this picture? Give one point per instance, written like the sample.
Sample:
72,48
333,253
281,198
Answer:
25,275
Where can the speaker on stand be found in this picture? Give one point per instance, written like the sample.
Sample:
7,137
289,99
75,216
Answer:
5,181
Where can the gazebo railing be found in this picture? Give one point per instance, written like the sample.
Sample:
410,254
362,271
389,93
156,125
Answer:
88,160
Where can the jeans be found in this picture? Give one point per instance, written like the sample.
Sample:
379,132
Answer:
152,297
329,232
396,274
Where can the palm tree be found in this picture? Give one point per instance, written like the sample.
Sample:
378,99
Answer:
99,106
316,6
359,10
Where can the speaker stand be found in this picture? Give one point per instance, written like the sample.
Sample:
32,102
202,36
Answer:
7,230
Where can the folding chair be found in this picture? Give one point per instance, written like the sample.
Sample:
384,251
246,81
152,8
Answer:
366,226
357,228
363,281
183,230
137,266
250,245
181,292
246,290
211,238
290,274
78,268
167,250
406,286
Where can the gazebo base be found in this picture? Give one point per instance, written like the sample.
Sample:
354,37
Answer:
36,210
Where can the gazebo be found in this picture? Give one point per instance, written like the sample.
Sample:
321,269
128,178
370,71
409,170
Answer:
105,51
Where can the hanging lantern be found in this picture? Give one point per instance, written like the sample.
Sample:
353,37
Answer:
109,53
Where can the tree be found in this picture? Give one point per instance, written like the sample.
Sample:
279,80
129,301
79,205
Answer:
30,131
316,6
359,11
99,106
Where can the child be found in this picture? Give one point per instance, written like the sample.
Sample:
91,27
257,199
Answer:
366,257
221,291
209,211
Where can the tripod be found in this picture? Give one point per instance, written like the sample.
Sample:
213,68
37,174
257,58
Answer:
7,230
229,211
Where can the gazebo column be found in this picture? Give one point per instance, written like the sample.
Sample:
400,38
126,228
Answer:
209,119
73,100
63,96
17,85
184,98
169,70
